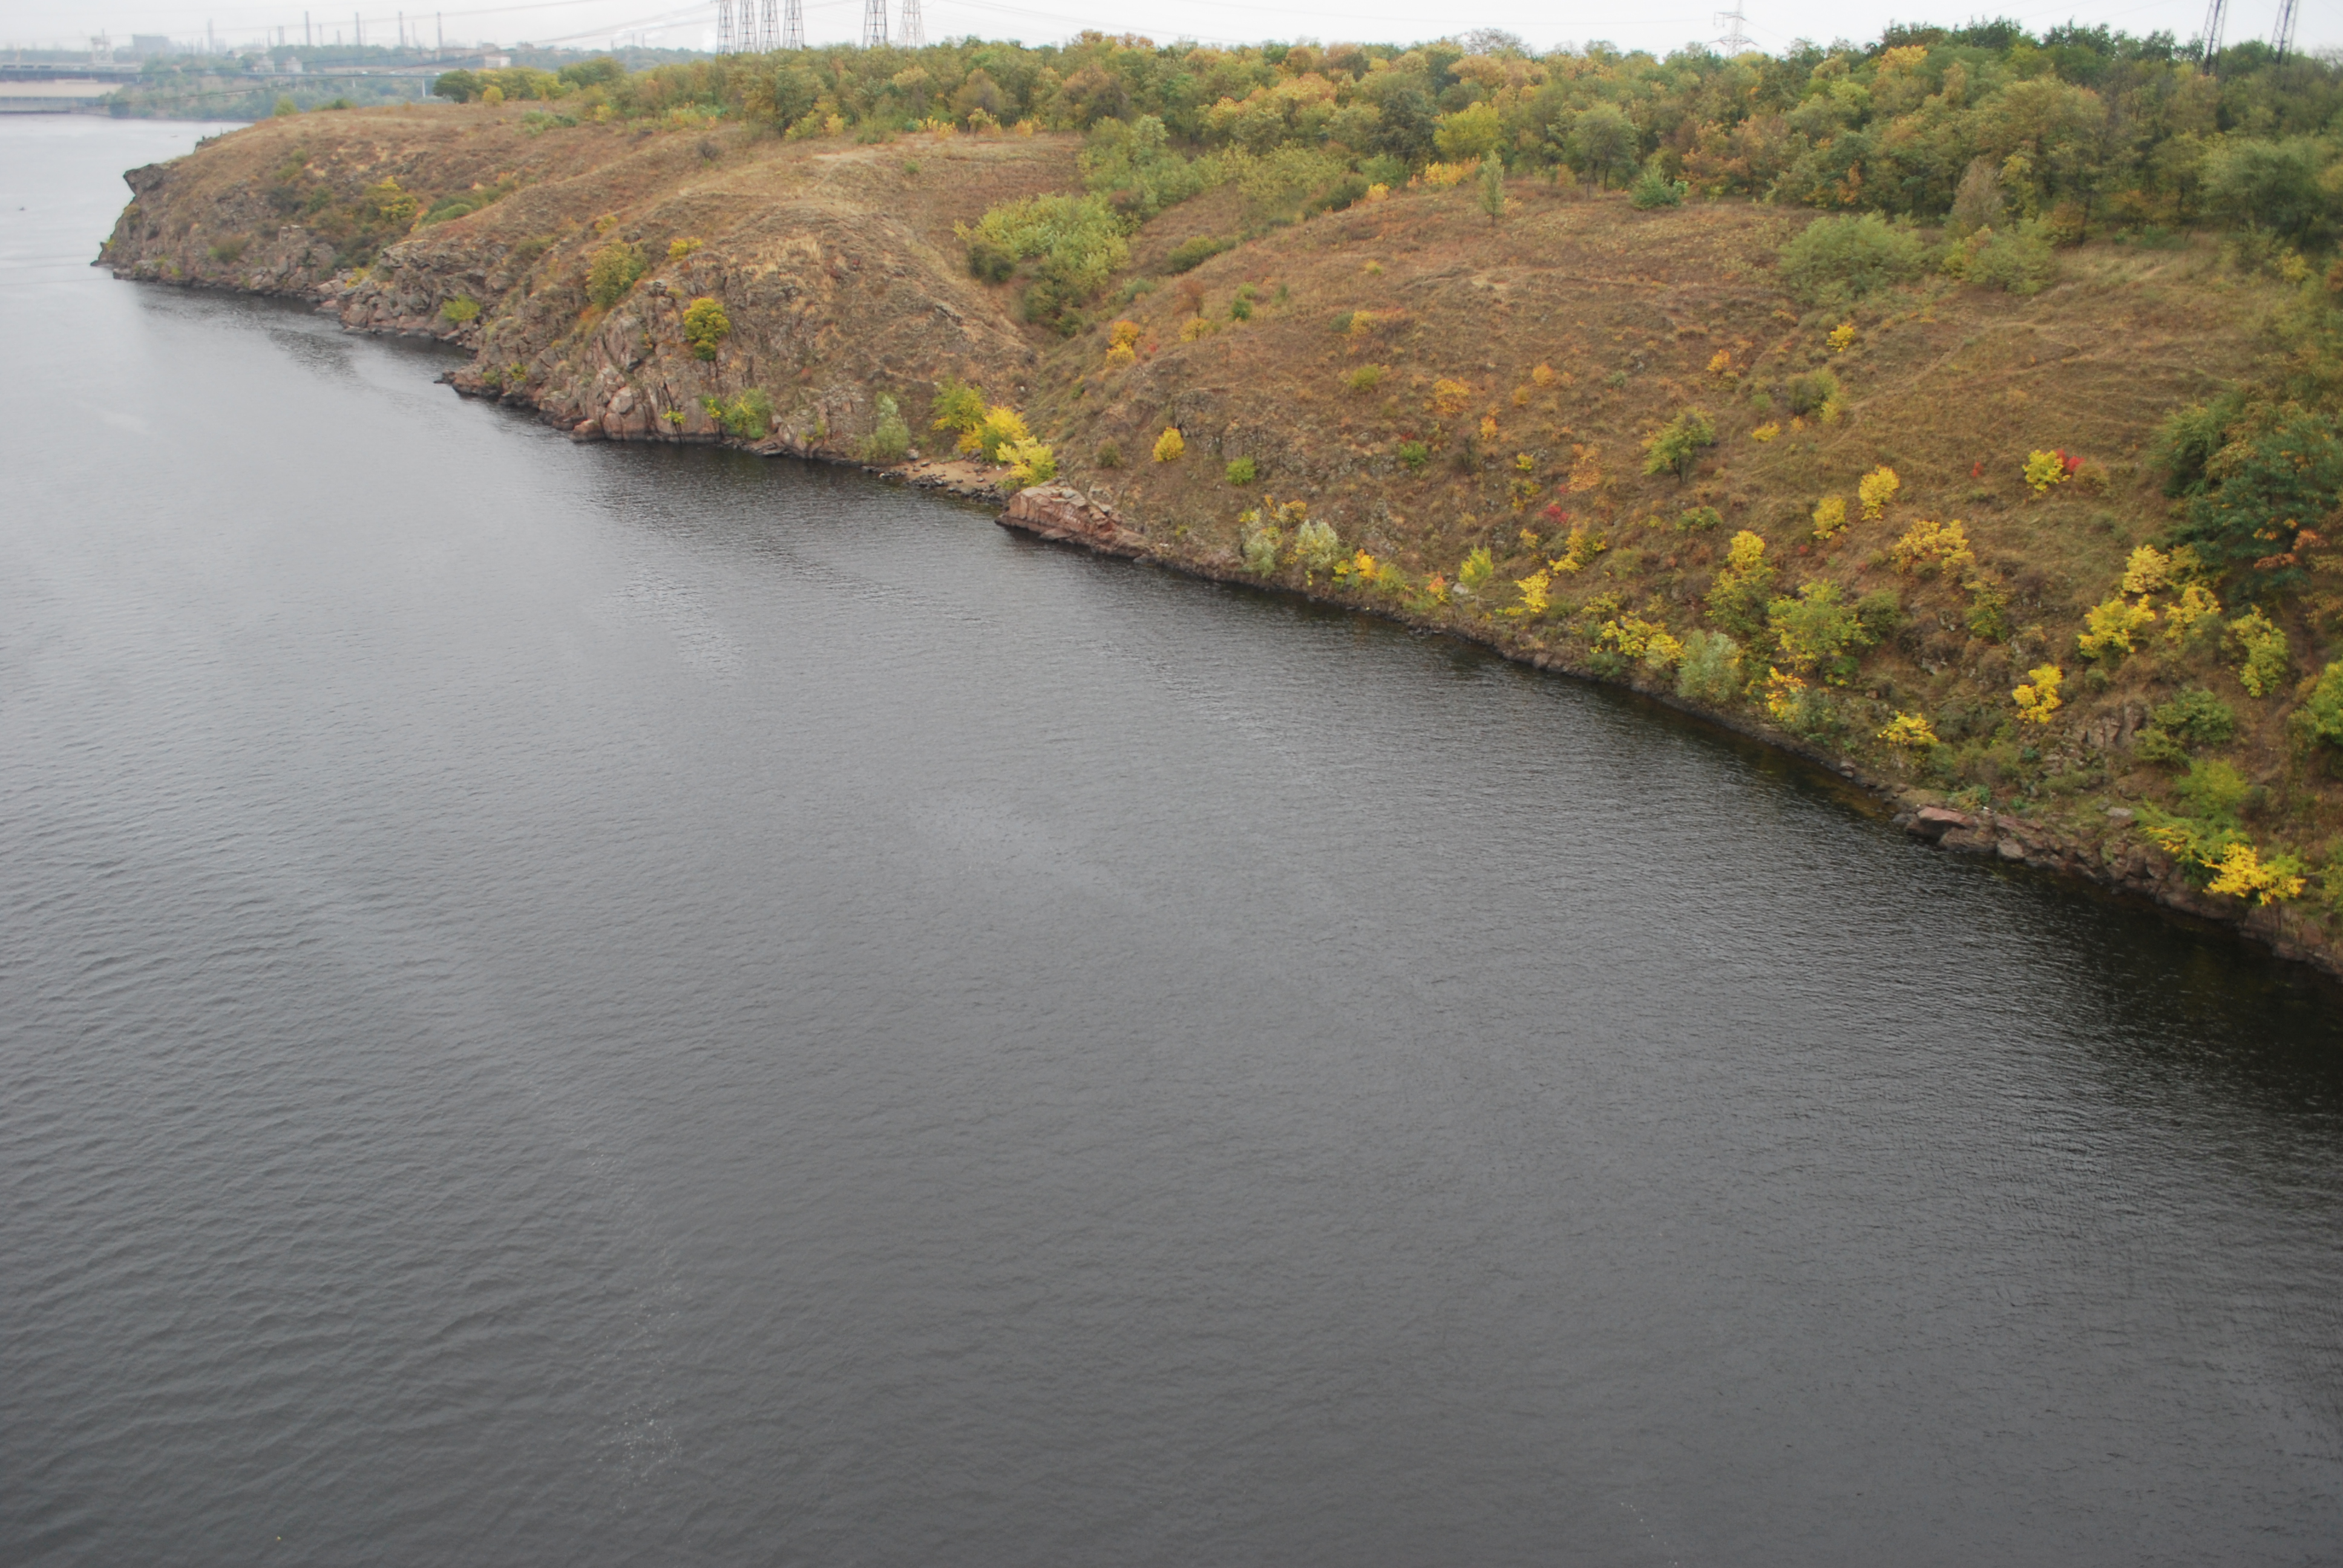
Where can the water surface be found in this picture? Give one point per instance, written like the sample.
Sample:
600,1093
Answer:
606,1005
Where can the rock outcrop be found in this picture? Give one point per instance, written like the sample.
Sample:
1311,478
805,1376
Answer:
1064,515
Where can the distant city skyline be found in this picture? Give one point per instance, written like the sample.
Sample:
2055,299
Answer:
593,24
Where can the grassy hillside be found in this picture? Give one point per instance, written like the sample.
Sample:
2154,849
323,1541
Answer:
1447,415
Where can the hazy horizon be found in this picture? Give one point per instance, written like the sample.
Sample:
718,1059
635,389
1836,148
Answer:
592,24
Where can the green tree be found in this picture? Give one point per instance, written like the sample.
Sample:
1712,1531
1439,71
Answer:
1493,188
1471,134
1603,145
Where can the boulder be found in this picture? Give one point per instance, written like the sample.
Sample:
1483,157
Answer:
1935,821
1061,513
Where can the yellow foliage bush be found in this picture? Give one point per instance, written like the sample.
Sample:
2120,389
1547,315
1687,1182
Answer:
1842,337
676,249
1169,445
1579,550
1721,362
1449,398
1745,553
1002,427
2197,603
2149,570
2109,628
1766,431
1122,355
1650,641
1543,374
2044,470
1534,600
2241,873
1909,730
1378,192
1830,516
1781,694
1197,326
2039,697
1585,468
2266,657
1488,427
1441,175
1876,488
1030,462
1927,544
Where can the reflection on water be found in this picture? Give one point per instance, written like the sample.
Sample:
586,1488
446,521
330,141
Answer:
600,1004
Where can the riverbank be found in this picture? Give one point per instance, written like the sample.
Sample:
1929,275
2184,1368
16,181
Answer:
1461,403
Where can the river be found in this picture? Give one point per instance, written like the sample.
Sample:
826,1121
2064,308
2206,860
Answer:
607,1005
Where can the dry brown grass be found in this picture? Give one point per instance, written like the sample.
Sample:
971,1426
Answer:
1578,326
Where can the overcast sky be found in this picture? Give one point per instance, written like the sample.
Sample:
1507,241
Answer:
672,22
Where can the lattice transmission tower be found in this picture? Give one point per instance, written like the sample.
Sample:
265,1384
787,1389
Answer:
2217,15
2282,36
792,24
874,24
724,42
1735,39
915,32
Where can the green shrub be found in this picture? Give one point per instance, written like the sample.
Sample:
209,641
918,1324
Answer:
1653,188
460,309
991,263
891,438
1241,471
1110,455
959,407
1676,445
2214,790
1194,253
1810,392
228,252
1836,261
705,326
1260,548
1816,633
615,268
2195,717
747,417
1316,546
2021,262
1881,612
1698,520
1413,455
1365,379
1341,323
2321,718
1710,671
464,203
